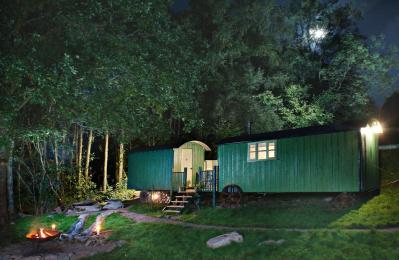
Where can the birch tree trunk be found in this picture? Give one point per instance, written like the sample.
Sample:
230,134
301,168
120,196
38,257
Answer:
87,165
121,158
3,187
56,159
10,181
80,155
105,184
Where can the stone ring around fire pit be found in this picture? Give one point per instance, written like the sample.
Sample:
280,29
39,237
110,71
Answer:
43,234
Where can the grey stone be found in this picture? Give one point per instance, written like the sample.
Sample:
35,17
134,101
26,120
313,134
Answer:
113,204
328,199
90,208
224,240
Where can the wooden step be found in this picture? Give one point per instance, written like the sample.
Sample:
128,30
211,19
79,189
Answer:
179,201
175,206
187,191
184,196
171,211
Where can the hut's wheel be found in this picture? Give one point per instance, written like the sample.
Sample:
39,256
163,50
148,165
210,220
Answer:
231,196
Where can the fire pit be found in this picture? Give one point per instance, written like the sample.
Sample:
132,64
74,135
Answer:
43,234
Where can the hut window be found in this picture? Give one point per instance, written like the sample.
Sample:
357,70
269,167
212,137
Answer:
252,151
264,150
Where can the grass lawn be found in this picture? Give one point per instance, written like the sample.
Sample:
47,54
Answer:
275,212
382,210
162,241
154,210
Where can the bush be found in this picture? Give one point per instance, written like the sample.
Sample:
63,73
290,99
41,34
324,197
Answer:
120,192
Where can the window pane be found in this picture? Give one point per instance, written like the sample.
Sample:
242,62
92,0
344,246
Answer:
261,155
272,146
272,154
261,146
252,147
252,155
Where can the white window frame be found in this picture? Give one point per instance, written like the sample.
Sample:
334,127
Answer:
257,151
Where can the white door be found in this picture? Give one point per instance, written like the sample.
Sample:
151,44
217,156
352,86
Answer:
187,162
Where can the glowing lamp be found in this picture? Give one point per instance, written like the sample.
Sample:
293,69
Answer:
155,196
53,226
375,128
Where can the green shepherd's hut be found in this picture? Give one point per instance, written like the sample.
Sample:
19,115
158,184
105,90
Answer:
165,168
312,159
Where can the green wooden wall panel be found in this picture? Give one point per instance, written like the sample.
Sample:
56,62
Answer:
319,163
150,169
371,169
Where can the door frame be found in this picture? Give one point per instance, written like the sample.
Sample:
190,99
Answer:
189,179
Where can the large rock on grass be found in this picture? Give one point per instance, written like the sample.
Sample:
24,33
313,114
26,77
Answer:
113,204
224,240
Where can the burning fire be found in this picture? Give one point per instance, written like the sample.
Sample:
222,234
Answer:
43,233
98,229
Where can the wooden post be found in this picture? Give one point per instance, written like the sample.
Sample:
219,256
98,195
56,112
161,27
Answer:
214,187
171,186
105,183
184,179
199,177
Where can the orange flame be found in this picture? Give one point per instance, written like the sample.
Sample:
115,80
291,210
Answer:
98,229
41,233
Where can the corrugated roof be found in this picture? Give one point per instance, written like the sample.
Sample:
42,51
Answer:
169,146
312,130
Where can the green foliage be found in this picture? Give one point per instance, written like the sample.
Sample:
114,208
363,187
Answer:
121,192
264,49
293,108
86,189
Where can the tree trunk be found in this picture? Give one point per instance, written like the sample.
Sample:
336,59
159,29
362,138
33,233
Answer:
105,184
74,147
3,187
10,181
120,168
87,165
56,159
80,155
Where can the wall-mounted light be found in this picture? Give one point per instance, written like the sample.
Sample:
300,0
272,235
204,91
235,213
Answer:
375,128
